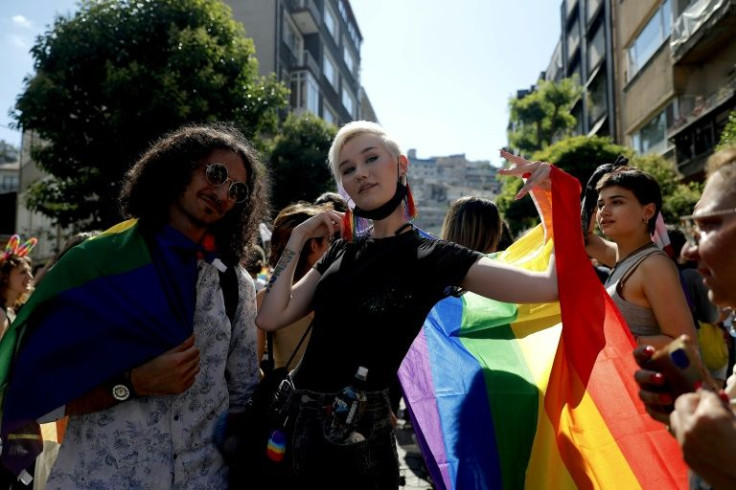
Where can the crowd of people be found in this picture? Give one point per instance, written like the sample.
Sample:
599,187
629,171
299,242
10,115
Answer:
180,310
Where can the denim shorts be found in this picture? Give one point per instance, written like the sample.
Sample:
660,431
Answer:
318,463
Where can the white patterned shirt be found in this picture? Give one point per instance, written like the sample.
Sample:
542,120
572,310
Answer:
166,442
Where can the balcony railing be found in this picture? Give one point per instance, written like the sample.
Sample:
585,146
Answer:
698,20
305,14
694,106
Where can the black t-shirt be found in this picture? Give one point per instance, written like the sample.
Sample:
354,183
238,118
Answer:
371,302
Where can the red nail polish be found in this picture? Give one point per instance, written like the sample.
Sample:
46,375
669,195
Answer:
649,349
723,396
656,378
698,384
526,175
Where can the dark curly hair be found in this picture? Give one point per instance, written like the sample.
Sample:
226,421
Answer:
6,267
644,187
162,174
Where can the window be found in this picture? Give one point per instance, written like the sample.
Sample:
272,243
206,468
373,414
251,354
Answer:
9,182
650,38
592,8
349,59
304,92
348,101
652,137
331,22
329,69
597,98
292,38
573,38
596,49
329,115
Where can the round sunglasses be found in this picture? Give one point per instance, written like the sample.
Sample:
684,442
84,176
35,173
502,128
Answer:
216,175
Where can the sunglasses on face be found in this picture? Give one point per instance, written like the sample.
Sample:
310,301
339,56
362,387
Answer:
216,175
692,230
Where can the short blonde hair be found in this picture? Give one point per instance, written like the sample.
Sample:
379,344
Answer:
350,131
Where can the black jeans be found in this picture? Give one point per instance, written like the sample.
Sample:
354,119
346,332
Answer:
319,463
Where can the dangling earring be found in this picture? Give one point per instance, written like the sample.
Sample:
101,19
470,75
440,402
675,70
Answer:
410,210
347,225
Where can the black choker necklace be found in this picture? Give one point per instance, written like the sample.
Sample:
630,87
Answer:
384,210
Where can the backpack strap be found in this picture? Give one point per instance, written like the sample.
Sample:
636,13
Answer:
230,293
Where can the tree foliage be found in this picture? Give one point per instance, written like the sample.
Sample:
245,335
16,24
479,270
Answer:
117,75
543,116
579,156
678,197
299,160
728,137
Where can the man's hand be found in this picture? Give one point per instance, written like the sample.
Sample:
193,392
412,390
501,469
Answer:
705,427
171,373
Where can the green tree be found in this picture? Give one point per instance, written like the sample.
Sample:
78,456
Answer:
728,137
678,197
577,155
299,160
543,116
115,76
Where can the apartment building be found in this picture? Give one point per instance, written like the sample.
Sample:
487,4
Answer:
677,83
438,181
584,52
313,46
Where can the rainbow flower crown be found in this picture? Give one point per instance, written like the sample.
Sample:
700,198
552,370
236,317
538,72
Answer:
14,247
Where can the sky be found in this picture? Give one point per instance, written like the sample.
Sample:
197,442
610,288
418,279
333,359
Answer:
439,73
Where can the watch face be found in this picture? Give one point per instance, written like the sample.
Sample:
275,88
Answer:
120,392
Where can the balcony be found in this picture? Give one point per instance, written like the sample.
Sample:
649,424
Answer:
305,15
308,62
702,27
698,128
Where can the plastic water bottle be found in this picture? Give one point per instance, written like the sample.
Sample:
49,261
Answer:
347,410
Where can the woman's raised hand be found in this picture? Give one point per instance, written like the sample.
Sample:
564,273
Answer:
324,224
536,173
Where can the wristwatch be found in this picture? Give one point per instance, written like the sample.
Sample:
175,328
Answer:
122,389
121,392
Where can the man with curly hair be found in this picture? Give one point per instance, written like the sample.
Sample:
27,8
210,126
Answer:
173,354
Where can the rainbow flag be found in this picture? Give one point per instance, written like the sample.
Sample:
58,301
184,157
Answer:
536,396
110,304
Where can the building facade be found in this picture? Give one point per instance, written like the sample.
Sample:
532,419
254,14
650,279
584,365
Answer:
584,52
436,182
313,47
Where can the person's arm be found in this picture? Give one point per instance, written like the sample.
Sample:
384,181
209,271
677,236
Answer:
285,303
666,299
508,283
170,373
705,428
261,339
602,250
504,282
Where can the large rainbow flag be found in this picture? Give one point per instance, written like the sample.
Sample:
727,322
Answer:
536,396
110,304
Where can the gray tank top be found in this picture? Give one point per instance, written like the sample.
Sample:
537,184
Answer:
640,319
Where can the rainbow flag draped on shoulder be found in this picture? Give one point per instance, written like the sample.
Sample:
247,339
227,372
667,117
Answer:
536,396
105,307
